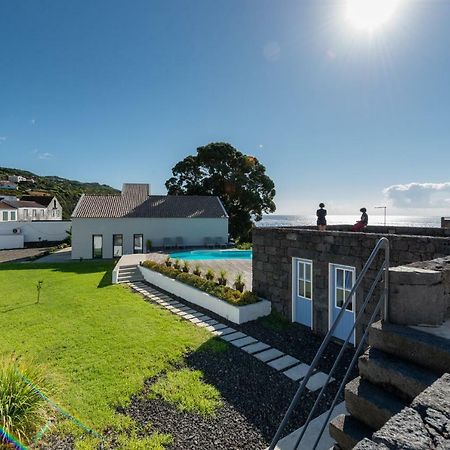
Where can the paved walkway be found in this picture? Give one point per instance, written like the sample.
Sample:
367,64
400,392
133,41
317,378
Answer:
286,364
20,254
63,255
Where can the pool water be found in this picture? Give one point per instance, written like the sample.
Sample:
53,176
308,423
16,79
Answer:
212,254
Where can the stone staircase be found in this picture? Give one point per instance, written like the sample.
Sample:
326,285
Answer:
399,364
129,273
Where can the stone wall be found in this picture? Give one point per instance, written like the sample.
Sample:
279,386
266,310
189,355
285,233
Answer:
424,425
274,248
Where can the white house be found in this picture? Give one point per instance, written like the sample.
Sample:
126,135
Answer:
107,226
8,213
50,204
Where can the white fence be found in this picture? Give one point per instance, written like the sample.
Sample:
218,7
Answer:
37,231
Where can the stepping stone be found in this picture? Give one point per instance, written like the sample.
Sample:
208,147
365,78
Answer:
197,314
188,316
298,372
212,322
283,362
216,327
268,355
254,348
244,341
224,331
317,381
233,336
195,320
204,318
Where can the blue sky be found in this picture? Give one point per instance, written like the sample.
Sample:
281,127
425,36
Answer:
114,91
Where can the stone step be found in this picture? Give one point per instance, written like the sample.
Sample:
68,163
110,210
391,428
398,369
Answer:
402,378
348,431
128,266
129,278
370,404
424,349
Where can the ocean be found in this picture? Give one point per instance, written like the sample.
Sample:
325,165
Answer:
275,220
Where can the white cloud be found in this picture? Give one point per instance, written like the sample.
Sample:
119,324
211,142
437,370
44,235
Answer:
2,139
419,195
261,146
45,155
33,121
271,51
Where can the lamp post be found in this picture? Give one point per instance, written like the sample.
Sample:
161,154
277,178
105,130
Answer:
385,208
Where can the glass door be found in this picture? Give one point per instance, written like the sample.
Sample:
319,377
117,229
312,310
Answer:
138,243
117,245
97,246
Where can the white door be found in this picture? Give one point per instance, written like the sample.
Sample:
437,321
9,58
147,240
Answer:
302,291
342,279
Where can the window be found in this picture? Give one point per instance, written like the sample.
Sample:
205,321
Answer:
5,216
117,245
54,204
344,284
13,215
304,282
25,213
97,246
34,213
138,243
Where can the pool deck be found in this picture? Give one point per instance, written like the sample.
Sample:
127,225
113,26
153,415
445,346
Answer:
232,266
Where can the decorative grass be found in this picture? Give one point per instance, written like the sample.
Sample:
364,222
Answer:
22,410
186,389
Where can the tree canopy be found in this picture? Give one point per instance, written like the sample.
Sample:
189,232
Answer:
239,180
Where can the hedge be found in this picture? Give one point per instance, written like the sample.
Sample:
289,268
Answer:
223,292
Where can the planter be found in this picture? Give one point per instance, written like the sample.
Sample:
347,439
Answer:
235,314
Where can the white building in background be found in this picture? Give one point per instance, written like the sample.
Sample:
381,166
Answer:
30,208
107,226
19,179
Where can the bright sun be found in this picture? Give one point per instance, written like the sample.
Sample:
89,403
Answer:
371,14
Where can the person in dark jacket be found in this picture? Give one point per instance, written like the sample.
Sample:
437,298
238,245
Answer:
362,223
321,217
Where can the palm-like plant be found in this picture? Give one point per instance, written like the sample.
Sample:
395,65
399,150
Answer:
22,408
239,282
210,275
222,279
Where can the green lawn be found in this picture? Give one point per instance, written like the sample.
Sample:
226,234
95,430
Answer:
99,341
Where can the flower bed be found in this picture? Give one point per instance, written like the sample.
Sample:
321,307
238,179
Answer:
237,307
225,293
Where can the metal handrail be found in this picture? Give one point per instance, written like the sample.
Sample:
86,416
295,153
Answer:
383,243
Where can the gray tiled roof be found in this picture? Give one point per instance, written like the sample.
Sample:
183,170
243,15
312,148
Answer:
132,203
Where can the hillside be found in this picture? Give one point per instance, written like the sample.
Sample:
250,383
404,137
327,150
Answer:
67,191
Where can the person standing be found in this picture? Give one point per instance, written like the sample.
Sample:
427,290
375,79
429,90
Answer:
321,214
362,223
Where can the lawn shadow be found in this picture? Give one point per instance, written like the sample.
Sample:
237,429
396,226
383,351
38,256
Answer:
24,305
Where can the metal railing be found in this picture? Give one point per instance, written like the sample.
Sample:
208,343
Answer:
382,243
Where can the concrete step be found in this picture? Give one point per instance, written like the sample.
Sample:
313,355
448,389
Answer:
348,431
424,349
370,404
131,280
402,378
129,266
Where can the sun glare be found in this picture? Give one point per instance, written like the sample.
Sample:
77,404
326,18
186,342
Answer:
369,15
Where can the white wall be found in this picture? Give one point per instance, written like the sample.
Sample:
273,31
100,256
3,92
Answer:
193,232
8,241
38,231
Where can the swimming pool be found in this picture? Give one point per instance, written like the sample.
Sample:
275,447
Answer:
212,254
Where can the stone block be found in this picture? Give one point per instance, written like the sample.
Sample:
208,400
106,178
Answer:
417,304
414,275
404,431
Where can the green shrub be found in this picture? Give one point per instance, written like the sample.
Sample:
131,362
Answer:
186,266
222,278
22,409
176,264
167,261
239,282
209,275
197,270
244,245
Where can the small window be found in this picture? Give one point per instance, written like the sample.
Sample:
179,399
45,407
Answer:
5,216
97,246
34,213
25,213
13,215
304,282
344,284
138,243
54,204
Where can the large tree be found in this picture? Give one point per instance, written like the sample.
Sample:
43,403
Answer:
239,180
